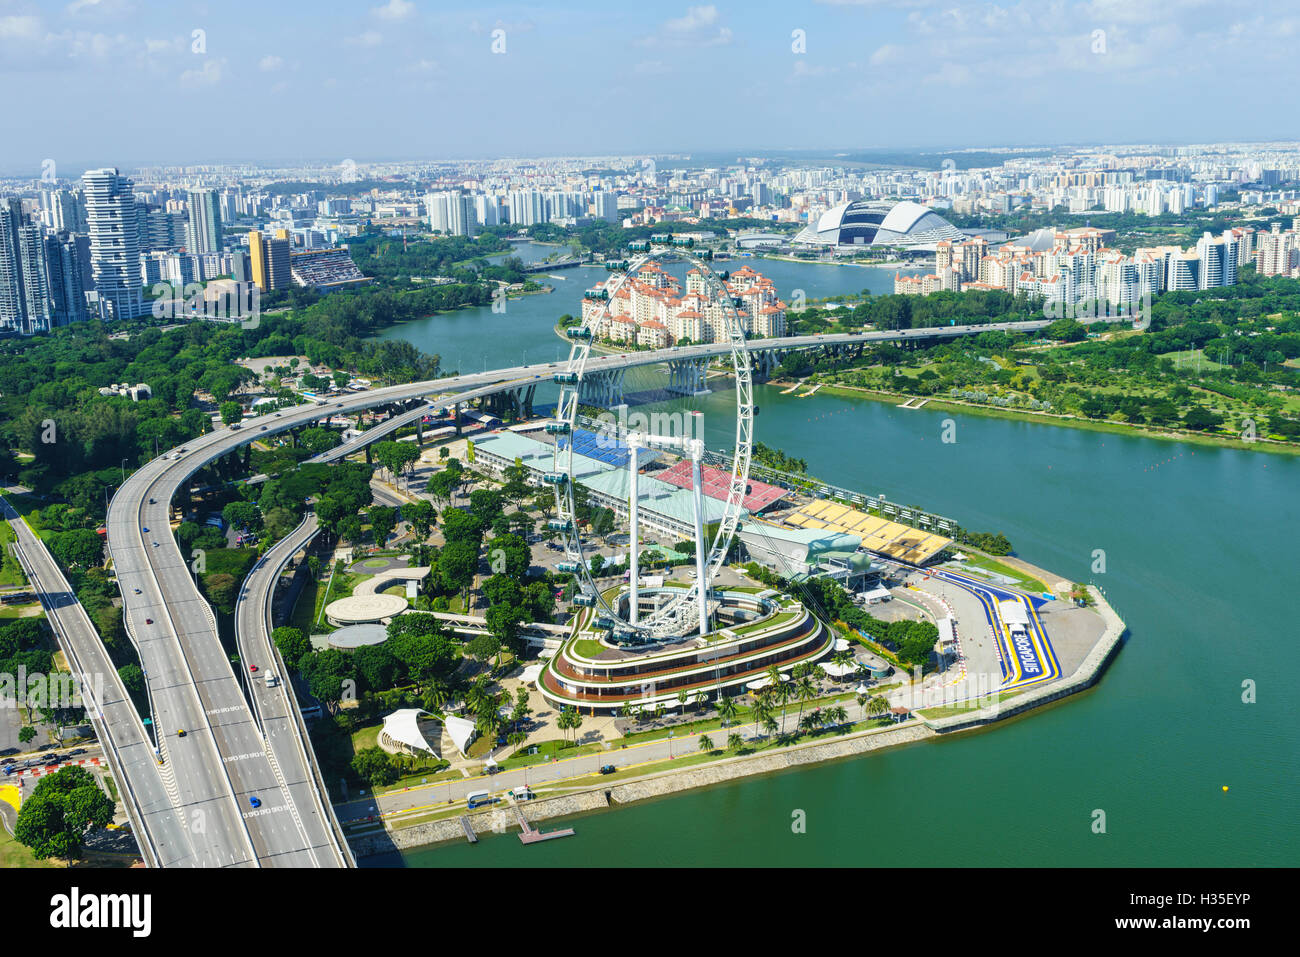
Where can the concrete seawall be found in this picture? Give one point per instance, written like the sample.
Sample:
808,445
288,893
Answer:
1085,676
498,819
501,818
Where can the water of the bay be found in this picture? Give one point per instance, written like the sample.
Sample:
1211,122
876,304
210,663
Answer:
1198,550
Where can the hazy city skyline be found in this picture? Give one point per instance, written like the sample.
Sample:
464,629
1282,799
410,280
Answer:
405,79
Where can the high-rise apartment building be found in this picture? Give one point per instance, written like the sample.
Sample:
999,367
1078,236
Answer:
114,243
203,234
269,260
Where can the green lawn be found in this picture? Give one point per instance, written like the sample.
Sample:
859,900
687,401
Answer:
1023,581
13,854
11,573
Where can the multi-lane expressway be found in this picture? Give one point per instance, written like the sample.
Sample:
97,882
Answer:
227,757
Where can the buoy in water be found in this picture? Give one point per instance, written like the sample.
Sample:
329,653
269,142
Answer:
1225,787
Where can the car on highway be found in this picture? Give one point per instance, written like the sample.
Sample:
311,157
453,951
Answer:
153,501
263,428
76,751
254,801
137,591
52,764
11,769
180,732
146,528
607,769
148,621
155,544
252,669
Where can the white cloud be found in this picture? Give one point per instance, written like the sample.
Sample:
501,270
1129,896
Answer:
698,27
19,28
208,75
270,63
370,38
695,18
394,10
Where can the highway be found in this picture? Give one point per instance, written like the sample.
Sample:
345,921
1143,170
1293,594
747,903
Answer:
223,761
162,838
274,708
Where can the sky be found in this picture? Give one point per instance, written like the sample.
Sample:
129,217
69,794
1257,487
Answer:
134,82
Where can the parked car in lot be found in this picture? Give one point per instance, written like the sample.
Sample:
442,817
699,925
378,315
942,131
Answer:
76,751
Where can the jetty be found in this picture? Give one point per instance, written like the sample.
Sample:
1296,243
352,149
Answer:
530,835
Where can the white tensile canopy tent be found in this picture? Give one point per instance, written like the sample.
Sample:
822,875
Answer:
401,731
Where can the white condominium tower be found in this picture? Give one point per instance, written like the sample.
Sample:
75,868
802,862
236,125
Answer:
451,213
203,234
114,243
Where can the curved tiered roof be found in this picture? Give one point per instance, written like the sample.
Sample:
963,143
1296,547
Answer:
875,223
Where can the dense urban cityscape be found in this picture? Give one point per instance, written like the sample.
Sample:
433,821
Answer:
719,504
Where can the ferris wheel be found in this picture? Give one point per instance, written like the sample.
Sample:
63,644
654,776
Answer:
677,611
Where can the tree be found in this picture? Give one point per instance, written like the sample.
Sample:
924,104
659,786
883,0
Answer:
231,412
61,811
420,515
457,564
681,701
735,741
1201,419
877,706
726,709
383,519
509,555
292,644
374,766
242,515
376,667
26,733
318,440
483,647
706,744
79,548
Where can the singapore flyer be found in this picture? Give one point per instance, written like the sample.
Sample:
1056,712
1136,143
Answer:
686,609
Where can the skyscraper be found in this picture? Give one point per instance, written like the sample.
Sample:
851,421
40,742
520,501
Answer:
64,272
114,243
12,310
204,231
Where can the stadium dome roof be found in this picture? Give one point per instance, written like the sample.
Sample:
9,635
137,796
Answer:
876,223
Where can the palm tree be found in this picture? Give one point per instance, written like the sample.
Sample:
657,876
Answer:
769,725
659,710
735,741
784,693
701,699
762,712
726,709
810,722
681,701
625,709
706,744
837,715
805,691
877,706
